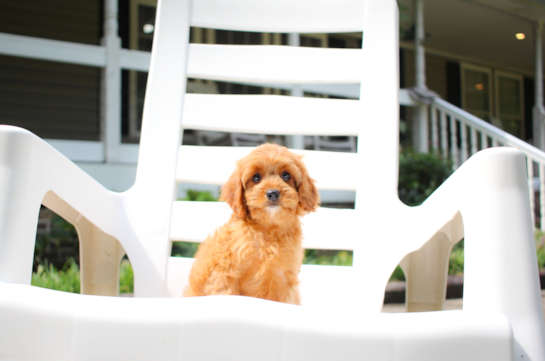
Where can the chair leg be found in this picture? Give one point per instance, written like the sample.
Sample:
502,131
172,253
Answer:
425,274
426,269
100,253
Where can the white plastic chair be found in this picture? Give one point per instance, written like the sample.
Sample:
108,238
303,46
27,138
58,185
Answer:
485,202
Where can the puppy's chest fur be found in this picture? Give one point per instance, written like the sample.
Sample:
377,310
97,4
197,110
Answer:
249,260
267,257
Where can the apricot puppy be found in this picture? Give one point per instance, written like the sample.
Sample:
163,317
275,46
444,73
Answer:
258,252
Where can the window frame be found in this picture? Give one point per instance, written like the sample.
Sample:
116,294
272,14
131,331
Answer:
520,79
468,66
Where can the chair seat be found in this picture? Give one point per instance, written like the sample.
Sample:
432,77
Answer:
63,326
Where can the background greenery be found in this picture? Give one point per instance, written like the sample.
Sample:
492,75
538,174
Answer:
67,278
58,245
420,174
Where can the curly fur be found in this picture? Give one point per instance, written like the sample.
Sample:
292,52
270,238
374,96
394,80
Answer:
258,252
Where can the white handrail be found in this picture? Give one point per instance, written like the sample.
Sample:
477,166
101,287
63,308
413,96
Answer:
491,131
457,134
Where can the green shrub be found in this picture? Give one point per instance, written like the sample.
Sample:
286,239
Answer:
456,259
323,257
420,174
199,196
126,277
63,236
67,279
397,275
184,249
540,248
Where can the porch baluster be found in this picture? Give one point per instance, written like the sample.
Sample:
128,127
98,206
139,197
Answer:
463,129
444,143
454,142
494,142
484,141
473,135
434,129
530,167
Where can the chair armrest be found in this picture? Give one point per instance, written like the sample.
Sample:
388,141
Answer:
490,191
30,169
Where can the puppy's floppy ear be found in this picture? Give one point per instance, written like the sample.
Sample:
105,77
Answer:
309,198
233,193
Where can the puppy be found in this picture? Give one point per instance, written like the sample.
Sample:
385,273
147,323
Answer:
258,252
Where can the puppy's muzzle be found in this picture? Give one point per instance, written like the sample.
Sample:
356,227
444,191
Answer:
273,195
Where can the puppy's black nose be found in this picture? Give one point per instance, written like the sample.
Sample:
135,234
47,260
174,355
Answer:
273,194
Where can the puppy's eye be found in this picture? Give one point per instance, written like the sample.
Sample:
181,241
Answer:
256,178
286,176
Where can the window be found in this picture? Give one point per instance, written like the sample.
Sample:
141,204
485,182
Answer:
477,91
509,104
495,96
142,26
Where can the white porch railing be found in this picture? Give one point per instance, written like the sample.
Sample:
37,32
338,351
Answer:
458,134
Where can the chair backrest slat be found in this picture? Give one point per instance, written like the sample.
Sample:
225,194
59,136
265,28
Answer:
276,114
274,64
280,16
194,221
214,165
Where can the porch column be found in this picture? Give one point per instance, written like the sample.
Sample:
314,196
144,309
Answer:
420,122
538,111
110,129
295,141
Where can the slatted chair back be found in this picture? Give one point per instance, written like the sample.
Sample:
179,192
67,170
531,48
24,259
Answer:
169,110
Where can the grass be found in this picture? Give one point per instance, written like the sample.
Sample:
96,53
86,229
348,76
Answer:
321,257
67,279
126,277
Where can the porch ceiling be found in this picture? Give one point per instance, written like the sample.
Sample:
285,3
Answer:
481,30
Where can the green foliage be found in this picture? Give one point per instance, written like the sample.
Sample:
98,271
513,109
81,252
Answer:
456,260
322,257
126,277
67,279
62,235
184,249
397,275
420,174
199,196
540,248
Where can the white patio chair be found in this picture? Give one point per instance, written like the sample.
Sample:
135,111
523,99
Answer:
485,202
